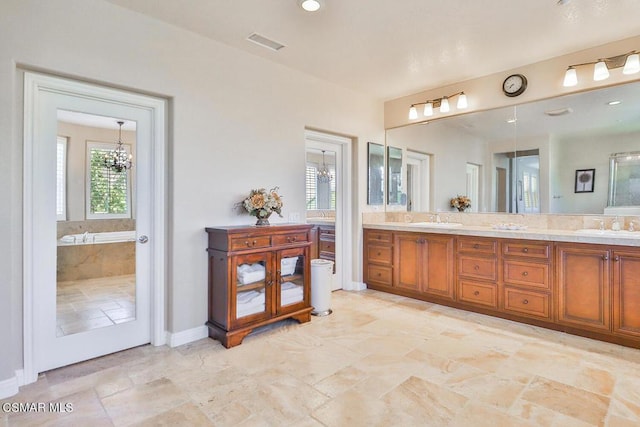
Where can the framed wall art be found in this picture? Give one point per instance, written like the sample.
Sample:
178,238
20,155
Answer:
584,180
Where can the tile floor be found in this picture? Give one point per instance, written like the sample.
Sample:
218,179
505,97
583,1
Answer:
94,303
378,360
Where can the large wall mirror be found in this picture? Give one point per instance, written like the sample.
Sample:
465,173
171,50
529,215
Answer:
375,174
394,174
526,159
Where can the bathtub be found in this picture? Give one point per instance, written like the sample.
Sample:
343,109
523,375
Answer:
94,255
96,238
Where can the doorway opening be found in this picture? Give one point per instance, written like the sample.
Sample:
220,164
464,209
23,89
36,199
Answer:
328,195
418,181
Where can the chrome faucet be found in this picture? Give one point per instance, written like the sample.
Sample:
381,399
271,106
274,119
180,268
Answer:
600,222
85,236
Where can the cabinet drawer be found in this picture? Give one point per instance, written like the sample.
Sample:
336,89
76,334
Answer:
379,236
526,273
326,246
478,293
327,232
379,254
478,246
238,243
527,302
480,268
379,274
287,239
525,249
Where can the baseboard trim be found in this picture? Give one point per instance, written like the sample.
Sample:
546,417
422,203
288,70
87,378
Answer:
9,387
175,339
357,286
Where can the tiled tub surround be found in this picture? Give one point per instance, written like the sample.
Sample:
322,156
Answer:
90,261
583,284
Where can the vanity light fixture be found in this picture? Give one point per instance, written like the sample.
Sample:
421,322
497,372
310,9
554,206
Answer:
441,103
310,5
630,61
118,159
323,173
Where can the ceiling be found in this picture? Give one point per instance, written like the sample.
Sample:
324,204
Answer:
391,48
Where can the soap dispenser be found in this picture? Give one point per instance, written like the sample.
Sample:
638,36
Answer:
615,225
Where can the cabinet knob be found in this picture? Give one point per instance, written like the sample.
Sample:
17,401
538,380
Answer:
525,273
291,239
379,253
379,274
476,267
476,246
525,301
476,293
525,250
616,258
605,257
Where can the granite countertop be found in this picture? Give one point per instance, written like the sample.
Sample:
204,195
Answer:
529,234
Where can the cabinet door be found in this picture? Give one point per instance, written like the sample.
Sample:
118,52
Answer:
583,286
626,293
292,280
407,260
437,266
250,294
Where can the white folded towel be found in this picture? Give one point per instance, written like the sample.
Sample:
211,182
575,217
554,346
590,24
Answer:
250,273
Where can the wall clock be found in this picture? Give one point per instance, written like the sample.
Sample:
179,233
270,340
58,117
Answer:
514,85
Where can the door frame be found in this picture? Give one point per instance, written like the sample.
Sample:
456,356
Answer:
34,85
343,208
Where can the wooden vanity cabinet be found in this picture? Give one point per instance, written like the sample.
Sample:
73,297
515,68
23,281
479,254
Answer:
257,275
477,271
527,279
424,264
626,293
584,286
327,243
378,259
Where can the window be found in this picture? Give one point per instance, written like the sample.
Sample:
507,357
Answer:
312,187
61,178
320,195
107,190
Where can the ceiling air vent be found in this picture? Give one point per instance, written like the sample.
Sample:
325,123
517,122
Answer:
559,112
265,42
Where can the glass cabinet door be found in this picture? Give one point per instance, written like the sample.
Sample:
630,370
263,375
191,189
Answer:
252,276
292,274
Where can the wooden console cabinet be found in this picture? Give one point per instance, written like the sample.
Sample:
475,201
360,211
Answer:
584,289
257,275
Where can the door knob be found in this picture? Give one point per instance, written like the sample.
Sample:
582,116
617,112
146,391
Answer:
143,239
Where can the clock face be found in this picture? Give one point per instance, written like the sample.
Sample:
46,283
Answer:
514,85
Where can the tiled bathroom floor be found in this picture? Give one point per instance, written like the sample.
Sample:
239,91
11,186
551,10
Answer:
94,303
378,360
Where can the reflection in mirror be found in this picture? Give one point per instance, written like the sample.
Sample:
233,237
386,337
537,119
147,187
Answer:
624,180
394,172
96,228
320,180
563,134
375,171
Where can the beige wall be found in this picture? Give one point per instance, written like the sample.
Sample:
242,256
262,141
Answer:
236,122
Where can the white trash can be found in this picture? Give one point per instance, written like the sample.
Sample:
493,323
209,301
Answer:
321,277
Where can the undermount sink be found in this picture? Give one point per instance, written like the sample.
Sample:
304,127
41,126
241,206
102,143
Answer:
608,233
437,224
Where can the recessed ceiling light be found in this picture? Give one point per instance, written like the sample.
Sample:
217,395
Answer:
310,5
563,2
616,102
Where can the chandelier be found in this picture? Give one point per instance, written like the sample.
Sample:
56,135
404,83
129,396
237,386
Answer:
118,159
323,173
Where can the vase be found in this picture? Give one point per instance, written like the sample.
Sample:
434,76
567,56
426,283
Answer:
263,222
461,209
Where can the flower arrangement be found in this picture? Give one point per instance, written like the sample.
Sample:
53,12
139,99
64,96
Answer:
461,202
262,203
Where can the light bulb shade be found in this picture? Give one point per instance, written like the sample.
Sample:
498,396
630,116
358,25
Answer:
444,105
428,109
632,64
600,71
462,101
413,113
310,5
570,77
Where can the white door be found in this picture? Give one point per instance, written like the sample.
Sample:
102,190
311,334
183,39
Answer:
339,149
91,298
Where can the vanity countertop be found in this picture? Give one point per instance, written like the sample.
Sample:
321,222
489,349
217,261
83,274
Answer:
529,234
321,221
